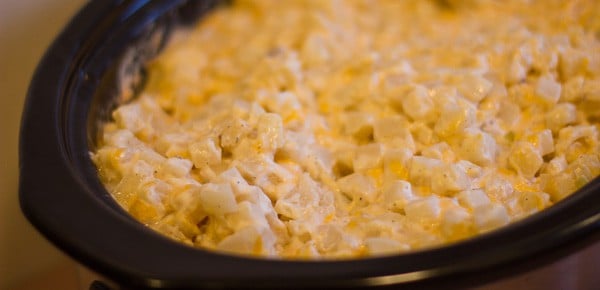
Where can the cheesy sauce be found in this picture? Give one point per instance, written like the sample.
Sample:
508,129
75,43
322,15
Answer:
348,128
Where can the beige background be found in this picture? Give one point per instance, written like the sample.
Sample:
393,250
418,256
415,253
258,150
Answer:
26,29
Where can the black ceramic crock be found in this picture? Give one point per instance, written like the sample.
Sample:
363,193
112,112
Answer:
79,81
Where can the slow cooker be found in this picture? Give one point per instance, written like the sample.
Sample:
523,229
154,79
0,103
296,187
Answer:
84,74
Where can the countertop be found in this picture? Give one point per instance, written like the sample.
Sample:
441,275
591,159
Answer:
27,260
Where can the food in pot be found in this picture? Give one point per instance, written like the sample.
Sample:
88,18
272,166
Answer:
331,129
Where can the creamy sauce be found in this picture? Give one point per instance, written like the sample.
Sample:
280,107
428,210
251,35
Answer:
330,129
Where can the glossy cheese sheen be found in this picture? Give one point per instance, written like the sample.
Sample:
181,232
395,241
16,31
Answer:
338,129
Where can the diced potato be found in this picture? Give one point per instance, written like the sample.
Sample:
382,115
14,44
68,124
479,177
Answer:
474,87
145,211
558,185
516,69
473,199
328,238
422,169
556,165
358,186
454,119
397,194
525,159
548,89
569,134
424,211
299,203
130,117
560,116
499,188
390,129
177,167
396,163
422,133
573,89
384,246
243,242
531,202
232,132
544,142
457,223
356,122
468,167
205,153
478,147
217,199
491,216
441,151
418,104
367,157
449,178
572,62
270,132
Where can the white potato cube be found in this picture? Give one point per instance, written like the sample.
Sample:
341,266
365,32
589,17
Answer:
396,163
560,116
449,178
455,118
573,89
426,210
205,153
358,186
591,89
244,241
570,134
328,238
390,128
456,223
531,202
397,194
558,186
357,122
509,112
186,200
270,132
490,217
472,199
441,151
417,103
525,158
217,199
474,87
314,50
499,187
232,133
233,177
572,62
544,142
556,165
300,202
177,167
472,170
129,117
478,147
367,157
517,67
548,89
422,169
384,246
422,133
122,138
